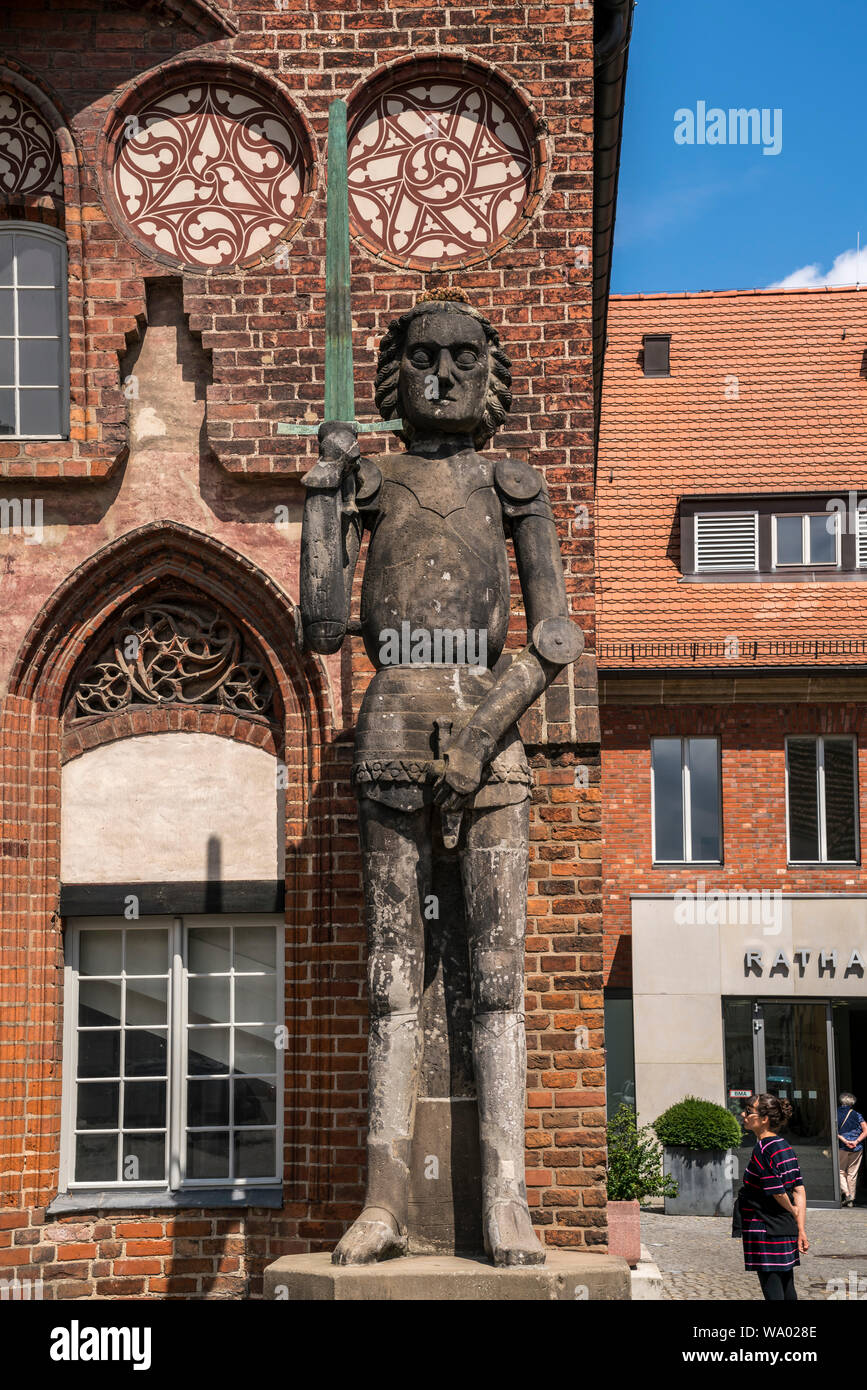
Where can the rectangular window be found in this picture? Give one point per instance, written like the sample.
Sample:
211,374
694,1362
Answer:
806,539
687,822
726,541
172,1052
822,800
34,371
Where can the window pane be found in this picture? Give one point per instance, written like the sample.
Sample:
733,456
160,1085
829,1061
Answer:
7,313
5,259
147,1001
790,540
147,952
98,1003
145,1053
96,1158
208,1155
207,1103
38,313
40,412
255,948
823,539
7,412
209,1051
254,998
255,1049
144,1104
803,800
98,1105
209,1000
255,1102
99,953
7,362
144,1157
254,1154
39,362
667,799
840,798
704,797
38,260
99,1054
209,950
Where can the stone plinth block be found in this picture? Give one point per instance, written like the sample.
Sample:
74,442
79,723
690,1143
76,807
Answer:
565,1275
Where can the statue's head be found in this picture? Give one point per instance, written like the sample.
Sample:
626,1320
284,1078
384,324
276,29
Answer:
441,368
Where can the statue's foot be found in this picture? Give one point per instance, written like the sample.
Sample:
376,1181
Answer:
509,1235
374,1236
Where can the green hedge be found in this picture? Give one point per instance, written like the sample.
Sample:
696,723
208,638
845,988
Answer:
698,1124
634,1161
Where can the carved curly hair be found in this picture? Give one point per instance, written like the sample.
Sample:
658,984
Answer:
499,396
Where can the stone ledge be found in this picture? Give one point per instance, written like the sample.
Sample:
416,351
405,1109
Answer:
566,1276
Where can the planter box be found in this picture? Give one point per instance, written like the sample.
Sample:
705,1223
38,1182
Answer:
704,1179
624,1231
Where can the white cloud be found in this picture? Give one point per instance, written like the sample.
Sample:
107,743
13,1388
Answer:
849,268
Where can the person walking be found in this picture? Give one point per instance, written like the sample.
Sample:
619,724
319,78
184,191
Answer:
851,1131
771,1206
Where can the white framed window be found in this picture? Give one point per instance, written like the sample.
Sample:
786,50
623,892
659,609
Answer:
172,1053
726,541
822,800
34,336
808,538
686,809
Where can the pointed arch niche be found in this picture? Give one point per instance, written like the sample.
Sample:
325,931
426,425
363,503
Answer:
188,726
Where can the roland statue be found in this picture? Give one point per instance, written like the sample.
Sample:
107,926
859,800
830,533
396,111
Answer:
437,751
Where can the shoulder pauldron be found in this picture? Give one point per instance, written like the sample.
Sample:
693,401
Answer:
521,489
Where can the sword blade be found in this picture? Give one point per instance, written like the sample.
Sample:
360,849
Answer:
339,381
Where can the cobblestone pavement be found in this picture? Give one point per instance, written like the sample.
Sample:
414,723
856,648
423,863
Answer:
698,1258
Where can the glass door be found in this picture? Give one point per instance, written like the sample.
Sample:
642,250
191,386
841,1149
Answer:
792,1054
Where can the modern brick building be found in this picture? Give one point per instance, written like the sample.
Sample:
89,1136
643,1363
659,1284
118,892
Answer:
183,1015
732,616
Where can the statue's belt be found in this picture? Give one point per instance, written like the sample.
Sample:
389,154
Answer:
418,773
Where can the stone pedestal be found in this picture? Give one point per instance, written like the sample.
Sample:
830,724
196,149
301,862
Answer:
564,1276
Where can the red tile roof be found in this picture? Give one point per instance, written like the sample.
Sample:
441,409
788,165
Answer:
798,423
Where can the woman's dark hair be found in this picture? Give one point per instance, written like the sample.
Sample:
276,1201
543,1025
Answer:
499,397
775,1112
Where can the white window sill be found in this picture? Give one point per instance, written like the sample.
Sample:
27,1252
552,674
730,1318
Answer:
160,1199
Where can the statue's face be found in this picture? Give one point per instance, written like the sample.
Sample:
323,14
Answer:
443,379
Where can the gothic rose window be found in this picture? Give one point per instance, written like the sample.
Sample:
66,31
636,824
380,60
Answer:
29,157
440,169
209,174
173,651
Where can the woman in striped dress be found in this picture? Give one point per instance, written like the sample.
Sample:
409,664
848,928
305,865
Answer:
772,1203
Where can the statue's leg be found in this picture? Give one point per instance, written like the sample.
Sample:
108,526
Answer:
494,871
395,847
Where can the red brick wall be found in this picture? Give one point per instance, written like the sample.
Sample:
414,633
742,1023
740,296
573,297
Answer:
263,329
752,740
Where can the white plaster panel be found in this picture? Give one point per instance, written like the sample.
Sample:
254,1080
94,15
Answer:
672,957
678,1028
181,807
659,1085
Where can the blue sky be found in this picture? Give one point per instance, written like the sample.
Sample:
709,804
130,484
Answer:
728,216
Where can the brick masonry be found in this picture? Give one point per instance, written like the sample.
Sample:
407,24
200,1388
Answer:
752,740
196,508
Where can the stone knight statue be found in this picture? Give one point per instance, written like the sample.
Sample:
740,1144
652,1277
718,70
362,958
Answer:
436,737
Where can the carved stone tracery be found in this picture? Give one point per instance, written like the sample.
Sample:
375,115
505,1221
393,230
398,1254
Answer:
174,651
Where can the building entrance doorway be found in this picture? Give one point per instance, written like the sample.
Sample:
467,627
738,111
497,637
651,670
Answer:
787,1048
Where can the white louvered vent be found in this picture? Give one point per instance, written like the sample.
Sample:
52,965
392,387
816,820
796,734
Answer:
862,538
727,541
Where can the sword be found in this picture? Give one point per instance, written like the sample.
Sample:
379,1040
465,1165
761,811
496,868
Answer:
339,380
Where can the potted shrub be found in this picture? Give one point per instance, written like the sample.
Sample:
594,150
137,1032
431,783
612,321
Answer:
634,1173
698,1137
